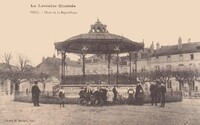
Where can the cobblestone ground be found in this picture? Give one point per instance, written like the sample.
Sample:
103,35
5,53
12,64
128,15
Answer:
186,112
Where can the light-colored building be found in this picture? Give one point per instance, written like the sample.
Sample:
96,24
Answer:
183,56
180,57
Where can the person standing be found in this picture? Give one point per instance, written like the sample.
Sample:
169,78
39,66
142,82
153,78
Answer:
103,93
139,94
88,89
115,94
130,99
61,94
35,94
154,93
162,93
88,92
82,93
110,97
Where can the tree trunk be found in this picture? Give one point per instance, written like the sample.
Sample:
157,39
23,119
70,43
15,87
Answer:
12,88
44,86
16,87
180,85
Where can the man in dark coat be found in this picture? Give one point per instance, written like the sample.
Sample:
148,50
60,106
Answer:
115,94
35,94
82,93
139,94
162,93
103,93
154,93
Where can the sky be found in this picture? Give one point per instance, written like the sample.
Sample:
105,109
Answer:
34,35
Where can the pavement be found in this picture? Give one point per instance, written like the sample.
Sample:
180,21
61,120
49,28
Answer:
186,112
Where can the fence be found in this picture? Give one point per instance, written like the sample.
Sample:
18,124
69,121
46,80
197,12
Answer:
191,94
72,94
98,79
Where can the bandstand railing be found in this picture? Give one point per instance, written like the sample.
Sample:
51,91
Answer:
99,79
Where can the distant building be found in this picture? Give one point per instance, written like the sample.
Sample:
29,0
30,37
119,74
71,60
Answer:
183,56
172,57
94,65
49,65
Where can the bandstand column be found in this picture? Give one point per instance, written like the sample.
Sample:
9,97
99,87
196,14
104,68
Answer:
117,68
130,58
63,64
117,51
84,49
135,62
83,55
109,60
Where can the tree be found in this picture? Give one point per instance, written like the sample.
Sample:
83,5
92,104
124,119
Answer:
21,72
162,76
43,78
16,74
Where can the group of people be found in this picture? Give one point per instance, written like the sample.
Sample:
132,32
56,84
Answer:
106,95
138,98
157,92
109,96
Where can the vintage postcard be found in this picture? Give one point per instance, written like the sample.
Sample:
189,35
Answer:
99,62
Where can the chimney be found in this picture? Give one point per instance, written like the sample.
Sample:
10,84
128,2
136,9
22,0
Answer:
179,43
151,48
189,40
157,46
54,55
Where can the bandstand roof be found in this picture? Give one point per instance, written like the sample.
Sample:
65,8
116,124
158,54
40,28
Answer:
98,41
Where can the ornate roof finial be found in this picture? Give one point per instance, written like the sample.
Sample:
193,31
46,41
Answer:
98,19
98,27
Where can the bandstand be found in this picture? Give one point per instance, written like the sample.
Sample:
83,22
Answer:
97,41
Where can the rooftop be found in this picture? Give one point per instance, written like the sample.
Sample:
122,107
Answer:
191,47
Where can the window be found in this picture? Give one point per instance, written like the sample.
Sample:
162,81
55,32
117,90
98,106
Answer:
193,86
191,56
180,57
168,58
95,60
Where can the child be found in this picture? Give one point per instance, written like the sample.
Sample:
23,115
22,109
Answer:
61,95
130,96
110,97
